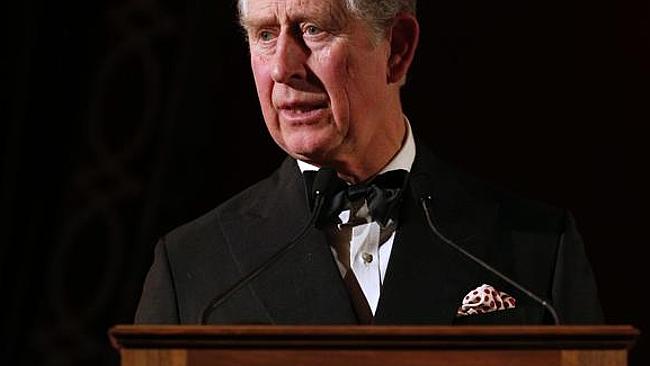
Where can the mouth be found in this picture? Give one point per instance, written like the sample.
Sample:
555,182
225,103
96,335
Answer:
302,113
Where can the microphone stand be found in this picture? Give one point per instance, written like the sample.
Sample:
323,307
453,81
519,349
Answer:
319,191
425,206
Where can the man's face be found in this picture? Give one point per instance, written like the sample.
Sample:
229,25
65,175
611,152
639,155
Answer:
320,78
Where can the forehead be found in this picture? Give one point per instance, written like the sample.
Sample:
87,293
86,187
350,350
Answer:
278,11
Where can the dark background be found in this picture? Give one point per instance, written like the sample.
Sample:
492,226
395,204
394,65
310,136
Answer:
124,119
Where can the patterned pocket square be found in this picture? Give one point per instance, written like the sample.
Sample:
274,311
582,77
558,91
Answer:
485,299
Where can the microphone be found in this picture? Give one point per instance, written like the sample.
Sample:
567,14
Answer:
425,198
319,190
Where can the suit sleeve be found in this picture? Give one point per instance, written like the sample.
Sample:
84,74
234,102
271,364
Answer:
158,303
575,296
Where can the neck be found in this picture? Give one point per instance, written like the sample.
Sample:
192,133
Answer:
363,166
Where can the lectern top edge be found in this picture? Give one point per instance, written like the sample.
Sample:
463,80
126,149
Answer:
399,337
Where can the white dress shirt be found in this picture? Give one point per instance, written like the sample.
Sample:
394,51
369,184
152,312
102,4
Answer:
369,260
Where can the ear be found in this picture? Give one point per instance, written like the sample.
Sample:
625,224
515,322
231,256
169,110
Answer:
404,35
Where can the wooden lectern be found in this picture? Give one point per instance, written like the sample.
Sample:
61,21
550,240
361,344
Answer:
373,345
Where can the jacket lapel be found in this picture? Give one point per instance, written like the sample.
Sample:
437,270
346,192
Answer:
305,285
426,279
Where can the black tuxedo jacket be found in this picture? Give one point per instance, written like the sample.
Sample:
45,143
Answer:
425,282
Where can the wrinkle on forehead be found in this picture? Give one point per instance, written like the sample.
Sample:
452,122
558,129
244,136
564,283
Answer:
255,12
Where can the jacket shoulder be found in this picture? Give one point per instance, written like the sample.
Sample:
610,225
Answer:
458,190
249,203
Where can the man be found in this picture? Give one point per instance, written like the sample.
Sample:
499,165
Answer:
328,76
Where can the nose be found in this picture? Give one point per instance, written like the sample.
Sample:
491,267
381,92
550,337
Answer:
289,59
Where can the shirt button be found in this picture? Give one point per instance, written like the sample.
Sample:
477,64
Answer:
367,258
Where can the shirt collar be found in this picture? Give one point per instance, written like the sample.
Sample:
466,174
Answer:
403,160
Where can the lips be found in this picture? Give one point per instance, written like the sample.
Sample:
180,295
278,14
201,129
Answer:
303,112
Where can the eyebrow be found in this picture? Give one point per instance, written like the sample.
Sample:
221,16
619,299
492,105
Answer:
248,23
332,23
335,19
254,23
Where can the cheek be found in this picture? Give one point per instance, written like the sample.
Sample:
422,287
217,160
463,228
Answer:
264,85
261,75
367,79
332,68
345,80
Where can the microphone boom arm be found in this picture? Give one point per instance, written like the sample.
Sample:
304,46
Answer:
217,301
432,226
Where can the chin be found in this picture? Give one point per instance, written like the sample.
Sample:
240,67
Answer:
315,156
311,145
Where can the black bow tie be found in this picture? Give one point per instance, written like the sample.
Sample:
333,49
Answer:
382,195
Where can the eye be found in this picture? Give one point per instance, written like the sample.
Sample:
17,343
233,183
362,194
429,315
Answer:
312,30
265,36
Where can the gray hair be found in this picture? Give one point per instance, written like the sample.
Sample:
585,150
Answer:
378,14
